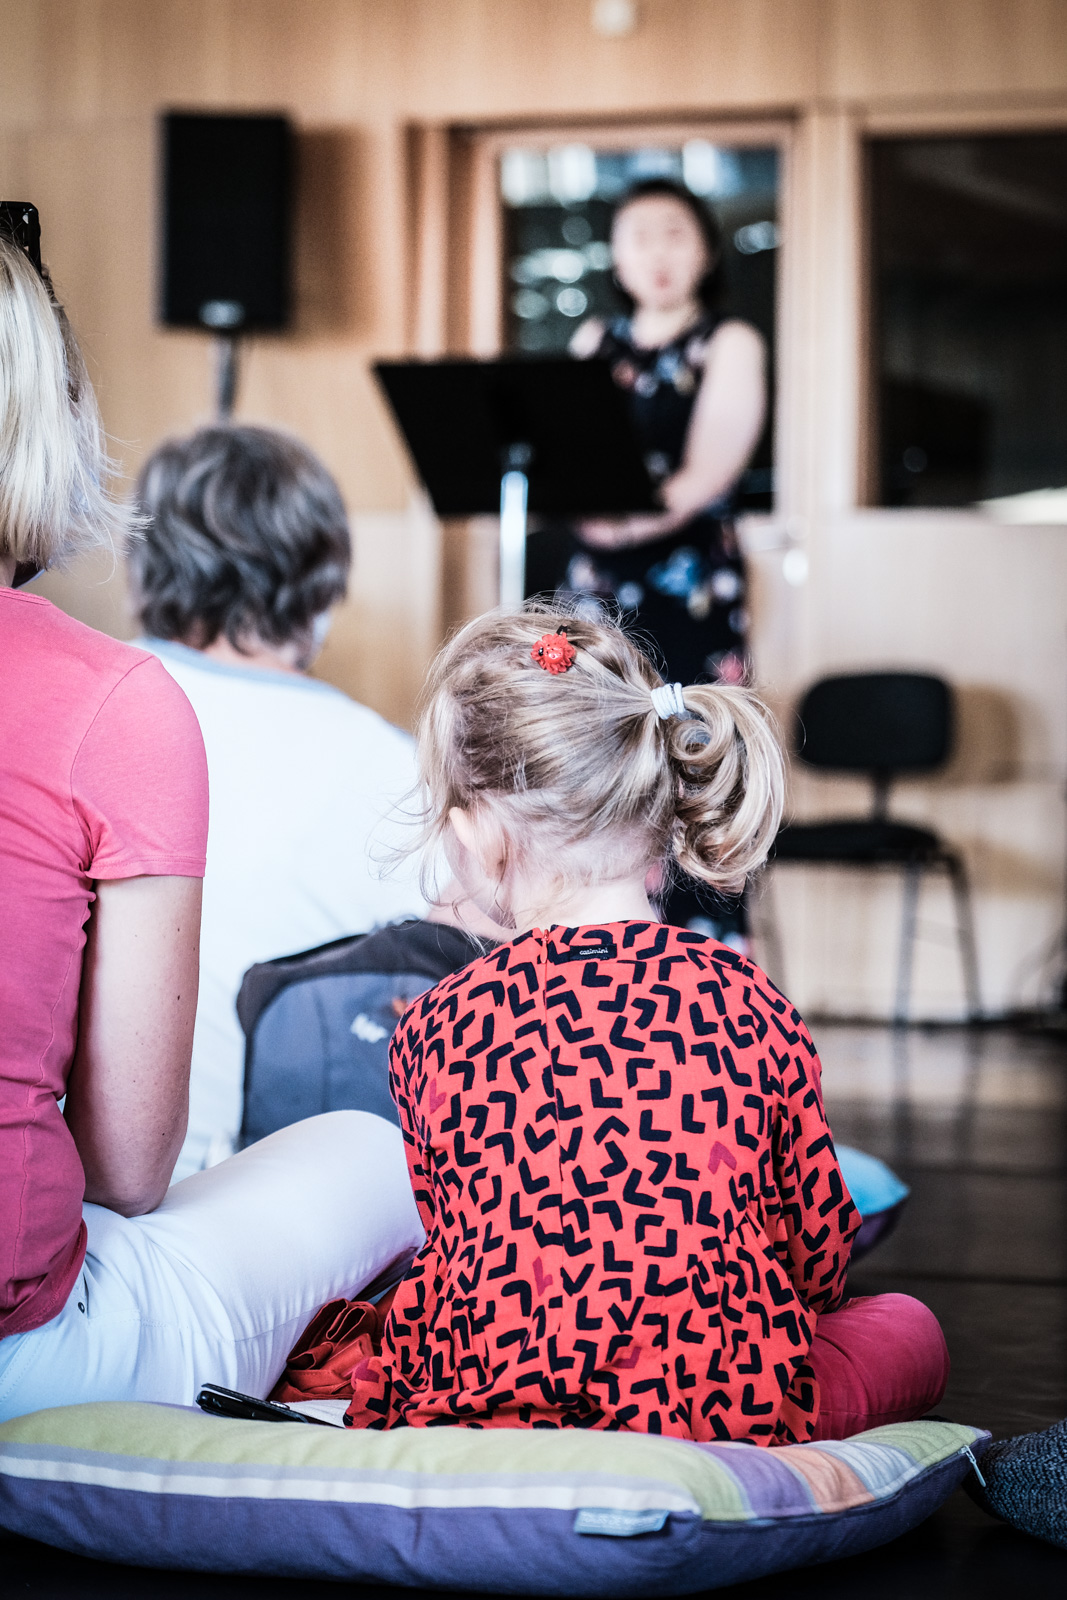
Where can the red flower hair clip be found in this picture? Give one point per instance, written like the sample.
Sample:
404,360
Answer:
554,652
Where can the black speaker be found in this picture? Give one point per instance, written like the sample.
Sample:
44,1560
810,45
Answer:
227,182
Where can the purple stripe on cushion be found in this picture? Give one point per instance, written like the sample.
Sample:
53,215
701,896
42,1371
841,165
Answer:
764,1479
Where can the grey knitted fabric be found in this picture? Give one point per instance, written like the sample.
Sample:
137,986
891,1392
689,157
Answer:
1026,1482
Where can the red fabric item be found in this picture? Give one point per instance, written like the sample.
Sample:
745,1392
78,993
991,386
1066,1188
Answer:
340,1337
102,775
633,1208
879,1359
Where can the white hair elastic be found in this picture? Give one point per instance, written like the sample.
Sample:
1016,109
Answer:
667,701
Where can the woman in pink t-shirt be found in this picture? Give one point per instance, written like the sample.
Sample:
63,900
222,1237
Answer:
111,1287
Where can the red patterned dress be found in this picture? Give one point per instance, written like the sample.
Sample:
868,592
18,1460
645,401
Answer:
632,1205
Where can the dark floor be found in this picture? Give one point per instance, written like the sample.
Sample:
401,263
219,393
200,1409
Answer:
976,1122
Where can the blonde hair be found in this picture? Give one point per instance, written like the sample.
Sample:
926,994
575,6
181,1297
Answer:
53,462
582,778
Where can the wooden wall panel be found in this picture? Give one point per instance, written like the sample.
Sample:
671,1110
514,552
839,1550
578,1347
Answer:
513,58
433,59
911,49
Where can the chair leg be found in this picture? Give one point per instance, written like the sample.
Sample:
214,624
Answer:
769,932
961,893
913,875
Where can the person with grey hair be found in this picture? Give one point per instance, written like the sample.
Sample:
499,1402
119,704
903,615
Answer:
114,1286
245,548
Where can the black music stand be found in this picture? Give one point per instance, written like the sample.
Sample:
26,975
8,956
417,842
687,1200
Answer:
552,436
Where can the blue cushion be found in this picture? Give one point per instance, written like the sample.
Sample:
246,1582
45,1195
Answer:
495,1510
873,1186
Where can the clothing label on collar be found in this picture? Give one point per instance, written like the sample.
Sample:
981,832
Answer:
604,951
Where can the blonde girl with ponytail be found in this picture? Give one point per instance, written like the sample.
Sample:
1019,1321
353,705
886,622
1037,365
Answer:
634,1215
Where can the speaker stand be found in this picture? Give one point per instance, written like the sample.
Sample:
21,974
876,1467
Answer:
514,493
226,375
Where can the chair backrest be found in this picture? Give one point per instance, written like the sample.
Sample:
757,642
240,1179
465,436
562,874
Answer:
882,723
317,1025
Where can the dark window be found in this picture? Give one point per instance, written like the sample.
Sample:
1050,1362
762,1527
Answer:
557,208
969,316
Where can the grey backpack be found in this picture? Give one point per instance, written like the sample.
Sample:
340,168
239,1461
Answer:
317,1025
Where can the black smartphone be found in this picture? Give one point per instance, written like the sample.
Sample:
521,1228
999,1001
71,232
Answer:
228,1403
21,222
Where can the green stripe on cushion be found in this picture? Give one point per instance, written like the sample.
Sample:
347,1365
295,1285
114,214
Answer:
486,1462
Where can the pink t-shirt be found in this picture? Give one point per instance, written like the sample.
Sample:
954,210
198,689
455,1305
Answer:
102,775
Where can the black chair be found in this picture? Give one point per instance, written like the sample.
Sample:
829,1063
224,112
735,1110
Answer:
884,724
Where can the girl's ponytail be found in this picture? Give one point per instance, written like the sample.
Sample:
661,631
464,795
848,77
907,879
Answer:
730,784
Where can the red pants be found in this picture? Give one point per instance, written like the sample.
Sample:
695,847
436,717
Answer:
881,1358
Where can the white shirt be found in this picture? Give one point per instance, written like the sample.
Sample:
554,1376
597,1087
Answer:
304,787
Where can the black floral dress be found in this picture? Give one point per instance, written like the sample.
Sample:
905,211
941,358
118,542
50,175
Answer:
685,592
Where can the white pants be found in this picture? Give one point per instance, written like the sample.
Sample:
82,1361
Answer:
216,1285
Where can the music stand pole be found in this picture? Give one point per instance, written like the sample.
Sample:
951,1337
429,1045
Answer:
226,372
514,494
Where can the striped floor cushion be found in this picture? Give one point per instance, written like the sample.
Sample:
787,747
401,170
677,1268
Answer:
499,1511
